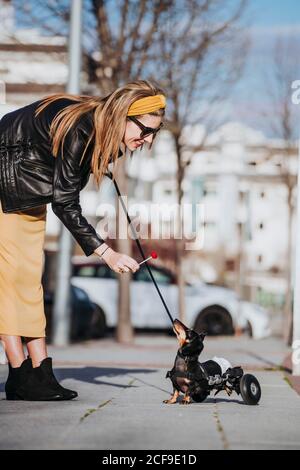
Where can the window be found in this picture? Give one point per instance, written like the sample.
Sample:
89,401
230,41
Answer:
161,277
104,272
84,271
209,189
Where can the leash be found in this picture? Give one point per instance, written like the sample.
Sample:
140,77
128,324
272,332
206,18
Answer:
110,175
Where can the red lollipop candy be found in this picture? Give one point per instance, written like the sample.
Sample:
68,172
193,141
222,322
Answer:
153,255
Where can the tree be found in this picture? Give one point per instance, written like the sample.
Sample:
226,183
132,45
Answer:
281,117
200,57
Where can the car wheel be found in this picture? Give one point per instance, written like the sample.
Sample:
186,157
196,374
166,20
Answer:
97,328
215,320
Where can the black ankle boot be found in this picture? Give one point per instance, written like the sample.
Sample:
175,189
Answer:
35,384
48,374
16,376
32,385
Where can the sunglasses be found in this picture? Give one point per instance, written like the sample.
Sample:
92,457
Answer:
145,131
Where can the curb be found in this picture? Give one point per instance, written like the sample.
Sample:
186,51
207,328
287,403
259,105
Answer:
293,380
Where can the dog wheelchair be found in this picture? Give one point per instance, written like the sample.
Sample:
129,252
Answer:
233,380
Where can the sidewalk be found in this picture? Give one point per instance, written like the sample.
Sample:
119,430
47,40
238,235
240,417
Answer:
121,389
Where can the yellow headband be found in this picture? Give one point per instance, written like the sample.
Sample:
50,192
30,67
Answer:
147,105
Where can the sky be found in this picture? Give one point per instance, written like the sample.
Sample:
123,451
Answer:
269,20
276,12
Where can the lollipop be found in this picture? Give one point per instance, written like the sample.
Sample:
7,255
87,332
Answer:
153,255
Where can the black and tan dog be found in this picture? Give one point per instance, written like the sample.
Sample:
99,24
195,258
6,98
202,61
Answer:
188,375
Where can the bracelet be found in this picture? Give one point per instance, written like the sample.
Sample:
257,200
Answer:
104,251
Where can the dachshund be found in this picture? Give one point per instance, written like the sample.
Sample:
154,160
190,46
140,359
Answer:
188,375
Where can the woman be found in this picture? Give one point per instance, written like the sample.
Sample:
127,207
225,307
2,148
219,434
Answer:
47,151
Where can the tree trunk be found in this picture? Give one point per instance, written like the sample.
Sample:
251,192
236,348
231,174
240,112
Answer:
288,324
180,281
180,239
124,330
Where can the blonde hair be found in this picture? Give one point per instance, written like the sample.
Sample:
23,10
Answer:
109,121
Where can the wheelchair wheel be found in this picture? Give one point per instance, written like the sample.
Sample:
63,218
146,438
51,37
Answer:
250,389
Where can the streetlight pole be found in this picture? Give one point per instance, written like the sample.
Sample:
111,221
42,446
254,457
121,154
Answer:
62,301
296,308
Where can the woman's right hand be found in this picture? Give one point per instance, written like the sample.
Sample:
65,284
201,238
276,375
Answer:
120,262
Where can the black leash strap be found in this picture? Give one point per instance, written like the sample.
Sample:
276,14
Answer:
110,175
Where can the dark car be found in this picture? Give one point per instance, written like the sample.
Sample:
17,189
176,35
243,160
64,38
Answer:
87,321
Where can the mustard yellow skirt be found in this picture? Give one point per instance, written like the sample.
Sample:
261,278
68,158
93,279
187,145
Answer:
22,236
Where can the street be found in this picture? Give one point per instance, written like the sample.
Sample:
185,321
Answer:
121,389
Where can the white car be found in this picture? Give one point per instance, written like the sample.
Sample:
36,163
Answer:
213,309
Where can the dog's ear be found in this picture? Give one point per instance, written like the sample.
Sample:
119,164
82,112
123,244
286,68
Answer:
202,335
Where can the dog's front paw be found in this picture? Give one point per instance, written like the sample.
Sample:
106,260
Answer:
172,399
185,401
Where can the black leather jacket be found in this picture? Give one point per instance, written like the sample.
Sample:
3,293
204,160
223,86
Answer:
31,176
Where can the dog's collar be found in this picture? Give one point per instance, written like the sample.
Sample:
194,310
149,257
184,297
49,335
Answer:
179,352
